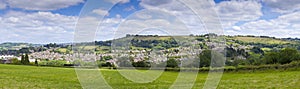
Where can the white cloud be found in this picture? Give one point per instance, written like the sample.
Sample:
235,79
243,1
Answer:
237,28
155,2
290,18
129,8
165,5
232,12
100,12
90,28
2,5
161,21
135,26
117,1
228,12
39,27
143,15
42,4
179,10
283,6
284,26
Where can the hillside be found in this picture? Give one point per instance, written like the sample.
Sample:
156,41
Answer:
240,51
16,46
264,40
139,42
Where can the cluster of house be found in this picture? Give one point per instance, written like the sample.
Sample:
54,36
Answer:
66,57
5,59
138,55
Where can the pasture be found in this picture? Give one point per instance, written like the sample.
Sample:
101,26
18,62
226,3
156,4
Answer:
32,77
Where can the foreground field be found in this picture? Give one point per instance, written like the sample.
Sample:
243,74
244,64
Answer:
12,76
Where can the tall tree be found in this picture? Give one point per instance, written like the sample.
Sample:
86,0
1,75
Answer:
36,62
285,56
288,55
26,61
22,59
271,58
172,63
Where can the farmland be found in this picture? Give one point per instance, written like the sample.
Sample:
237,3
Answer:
16,76
263,40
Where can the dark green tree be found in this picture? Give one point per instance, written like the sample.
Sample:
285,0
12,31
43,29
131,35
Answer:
16,61
172,63
205,58
141,64
257,50
271,58
22,59
36,62
288,55
211,58
26,60
254,59
285,56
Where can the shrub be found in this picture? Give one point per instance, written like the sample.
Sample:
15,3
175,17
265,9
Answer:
172,63
16,61
55,63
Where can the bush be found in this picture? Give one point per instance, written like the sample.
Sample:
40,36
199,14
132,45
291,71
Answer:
141,64
103,64
172,63
16,61
285,56
54,63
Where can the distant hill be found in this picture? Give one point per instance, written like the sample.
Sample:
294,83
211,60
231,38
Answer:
16,46
264,40
164,42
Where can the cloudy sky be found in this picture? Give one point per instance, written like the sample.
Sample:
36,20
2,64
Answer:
45,21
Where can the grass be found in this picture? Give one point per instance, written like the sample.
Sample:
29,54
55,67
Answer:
62,50
263,40
102,49
266,49
154,38
16,76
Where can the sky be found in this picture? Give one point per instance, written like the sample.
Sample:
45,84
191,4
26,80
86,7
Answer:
48,21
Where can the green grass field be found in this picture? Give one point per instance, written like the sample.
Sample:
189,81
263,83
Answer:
263,40
30,77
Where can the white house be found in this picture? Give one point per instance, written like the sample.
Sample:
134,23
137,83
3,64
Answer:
5,57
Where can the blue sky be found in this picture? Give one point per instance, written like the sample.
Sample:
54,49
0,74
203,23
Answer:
47,21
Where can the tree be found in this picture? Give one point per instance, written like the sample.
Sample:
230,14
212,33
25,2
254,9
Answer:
271,58
176,51
230,52
218,59
124,61
172,63
205,58
141,64
106,57
285,56
36,62
288,55
254,59
15,61
211,58
22,59
26,59
257,50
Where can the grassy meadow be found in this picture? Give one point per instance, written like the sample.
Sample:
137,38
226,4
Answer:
16,76
263,40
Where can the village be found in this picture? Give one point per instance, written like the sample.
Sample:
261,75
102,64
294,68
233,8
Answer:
50,57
